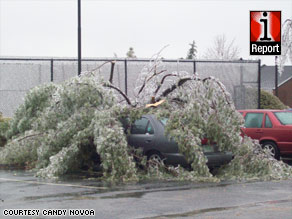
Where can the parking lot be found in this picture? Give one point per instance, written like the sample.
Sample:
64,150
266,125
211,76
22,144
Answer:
156,199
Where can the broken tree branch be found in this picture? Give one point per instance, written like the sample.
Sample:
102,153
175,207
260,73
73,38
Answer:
112,71
182,81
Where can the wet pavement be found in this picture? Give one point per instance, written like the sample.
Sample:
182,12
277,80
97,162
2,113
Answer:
156,199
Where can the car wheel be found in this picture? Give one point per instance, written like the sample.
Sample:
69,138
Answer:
272,148
155,159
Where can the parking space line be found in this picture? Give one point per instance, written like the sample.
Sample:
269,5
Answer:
53,184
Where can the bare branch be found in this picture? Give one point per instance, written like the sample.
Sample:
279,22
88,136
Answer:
151,69
120,92
222,49
173,87
184,80
95,69
158,54
29,136
148,79
162,81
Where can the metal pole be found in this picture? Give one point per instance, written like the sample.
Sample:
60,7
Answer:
194,63
52,70
242,90
79,37
126,78
259,84
276,76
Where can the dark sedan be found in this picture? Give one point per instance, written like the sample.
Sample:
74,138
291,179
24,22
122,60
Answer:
148,133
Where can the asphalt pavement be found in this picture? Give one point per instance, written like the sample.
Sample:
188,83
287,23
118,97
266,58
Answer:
23,194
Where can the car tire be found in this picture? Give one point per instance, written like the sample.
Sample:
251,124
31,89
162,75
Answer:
272,147
155,159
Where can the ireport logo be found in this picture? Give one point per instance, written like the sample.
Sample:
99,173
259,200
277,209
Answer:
265,32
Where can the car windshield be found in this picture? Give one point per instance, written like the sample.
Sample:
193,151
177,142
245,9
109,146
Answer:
284,117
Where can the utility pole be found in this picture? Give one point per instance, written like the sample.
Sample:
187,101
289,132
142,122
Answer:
79,37
276,76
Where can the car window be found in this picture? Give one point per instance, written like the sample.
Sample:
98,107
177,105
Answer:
142,126
253,120
268,122
139,126
164,121
284,117
150,129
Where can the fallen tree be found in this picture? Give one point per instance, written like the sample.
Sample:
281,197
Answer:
63,128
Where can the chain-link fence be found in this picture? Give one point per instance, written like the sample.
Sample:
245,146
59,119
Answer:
17,75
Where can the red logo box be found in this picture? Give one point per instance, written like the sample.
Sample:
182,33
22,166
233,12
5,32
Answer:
265,32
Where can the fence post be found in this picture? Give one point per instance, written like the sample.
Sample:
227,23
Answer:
242,89
52,70
79,38
194,65
259,84
126,78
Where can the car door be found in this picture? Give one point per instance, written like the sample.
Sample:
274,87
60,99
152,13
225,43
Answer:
253,124
283,131
269,130
142,134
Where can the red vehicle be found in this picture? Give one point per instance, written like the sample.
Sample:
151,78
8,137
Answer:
273,129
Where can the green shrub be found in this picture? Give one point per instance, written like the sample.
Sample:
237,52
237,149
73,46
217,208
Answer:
270,101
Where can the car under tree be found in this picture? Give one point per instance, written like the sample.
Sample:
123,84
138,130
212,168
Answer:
148,133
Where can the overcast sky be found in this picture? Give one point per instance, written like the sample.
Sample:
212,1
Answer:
49,27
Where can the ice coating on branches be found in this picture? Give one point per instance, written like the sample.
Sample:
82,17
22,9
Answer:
286,45
60,128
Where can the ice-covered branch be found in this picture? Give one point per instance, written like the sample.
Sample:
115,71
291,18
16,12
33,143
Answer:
120,92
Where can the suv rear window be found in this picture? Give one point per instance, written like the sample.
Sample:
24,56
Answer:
284,117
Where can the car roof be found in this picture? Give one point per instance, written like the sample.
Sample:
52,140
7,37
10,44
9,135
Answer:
263,110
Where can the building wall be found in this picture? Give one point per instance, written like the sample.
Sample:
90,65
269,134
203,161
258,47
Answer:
285,93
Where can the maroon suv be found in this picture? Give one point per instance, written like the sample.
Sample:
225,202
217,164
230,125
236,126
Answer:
273,129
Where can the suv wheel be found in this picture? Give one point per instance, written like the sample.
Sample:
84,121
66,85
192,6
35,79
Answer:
272,148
